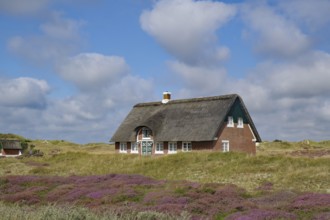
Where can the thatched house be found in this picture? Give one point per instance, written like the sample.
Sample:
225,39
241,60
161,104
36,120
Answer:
10,148
220,123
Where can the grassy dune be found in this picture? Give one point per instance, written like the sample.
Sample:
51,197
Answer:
285,180
302,166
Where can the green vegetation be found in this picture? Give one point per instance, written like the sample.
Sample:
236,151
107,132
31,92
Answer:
12,136
302,166
284,180
69,212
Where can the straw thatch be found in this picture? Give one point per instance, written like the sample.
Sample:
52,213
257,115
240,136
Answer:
197,119
10,144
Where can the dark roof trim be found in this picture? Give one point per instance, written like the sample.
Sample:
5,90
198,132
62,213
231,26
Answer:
253,127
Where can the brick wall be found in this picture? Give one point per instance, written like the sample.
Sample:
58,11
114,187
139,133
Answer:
240,139
10,152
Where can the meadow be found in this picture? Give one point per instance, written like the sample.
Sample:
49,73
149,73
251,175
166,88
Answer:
286,180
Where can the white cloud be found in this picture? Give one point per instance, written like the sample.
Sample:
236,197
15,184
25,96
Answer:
307,77
94,115
92,70
186,28
313,13
198,79
40,49
59,38
273,34
23,92
21,7
61,28
89,116
304,77
289,100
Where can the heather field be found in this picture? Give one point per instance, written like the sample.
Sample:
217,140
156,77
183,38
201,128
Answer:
134,195
285,180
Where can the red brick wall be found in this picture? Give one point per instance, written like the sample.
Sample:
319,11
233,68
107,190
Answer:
240,139
10,152
202,145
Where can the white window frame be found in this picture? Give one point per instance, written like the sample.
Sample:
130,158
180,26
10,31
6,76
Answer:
134,148
186,146
240,123
230,121
225,146
159,148
171,151
122,147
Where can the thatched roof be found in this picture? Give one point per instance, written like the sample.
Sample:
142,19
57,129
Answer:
197,119
10,144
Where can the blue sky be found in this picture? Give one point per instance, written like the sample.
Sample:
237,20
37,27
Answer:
72,70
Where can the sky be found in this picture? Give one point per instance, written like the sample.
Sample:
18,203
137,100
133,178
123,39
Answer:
73,69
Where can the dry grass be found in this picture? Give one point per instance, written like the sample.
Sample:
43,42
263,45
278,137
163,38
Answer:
70,212
276,162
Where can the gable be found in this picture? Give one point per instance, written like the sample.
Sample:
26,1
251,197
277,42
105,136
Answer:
237,111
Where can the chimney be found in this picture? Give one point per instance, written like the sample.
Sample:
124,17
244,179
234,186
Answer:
166,97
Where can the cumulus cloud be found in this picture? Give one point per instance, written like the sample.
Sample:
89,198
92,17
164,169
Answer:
24,92
59,38
308,76
95,114
199,80
289,100
287,91
88,116
19,7
61,28
313,13
271,33
186,28
92,70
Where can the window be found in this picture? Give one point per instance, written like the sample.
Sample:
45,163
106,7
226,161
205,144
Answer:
230,121
134,148
240,123
186,146
159,148
225,146
172,147
146,133
123,147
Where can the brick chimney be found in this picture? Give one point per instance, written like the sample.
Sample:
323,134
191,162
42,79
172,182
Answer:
166,97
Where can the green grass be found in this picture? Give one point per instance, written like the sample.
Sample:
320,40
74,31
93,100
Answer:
273,163
55,212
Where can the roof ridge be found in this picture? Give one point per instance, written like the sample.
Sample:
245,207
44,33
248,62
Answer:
177,101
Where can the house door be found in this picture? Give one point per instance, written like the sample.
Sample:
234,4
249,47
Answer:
147,147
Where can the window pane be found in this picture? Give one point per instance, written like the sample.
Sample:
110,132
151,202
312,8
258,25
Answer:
225,146
230,121
172,146
146,133
159,147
